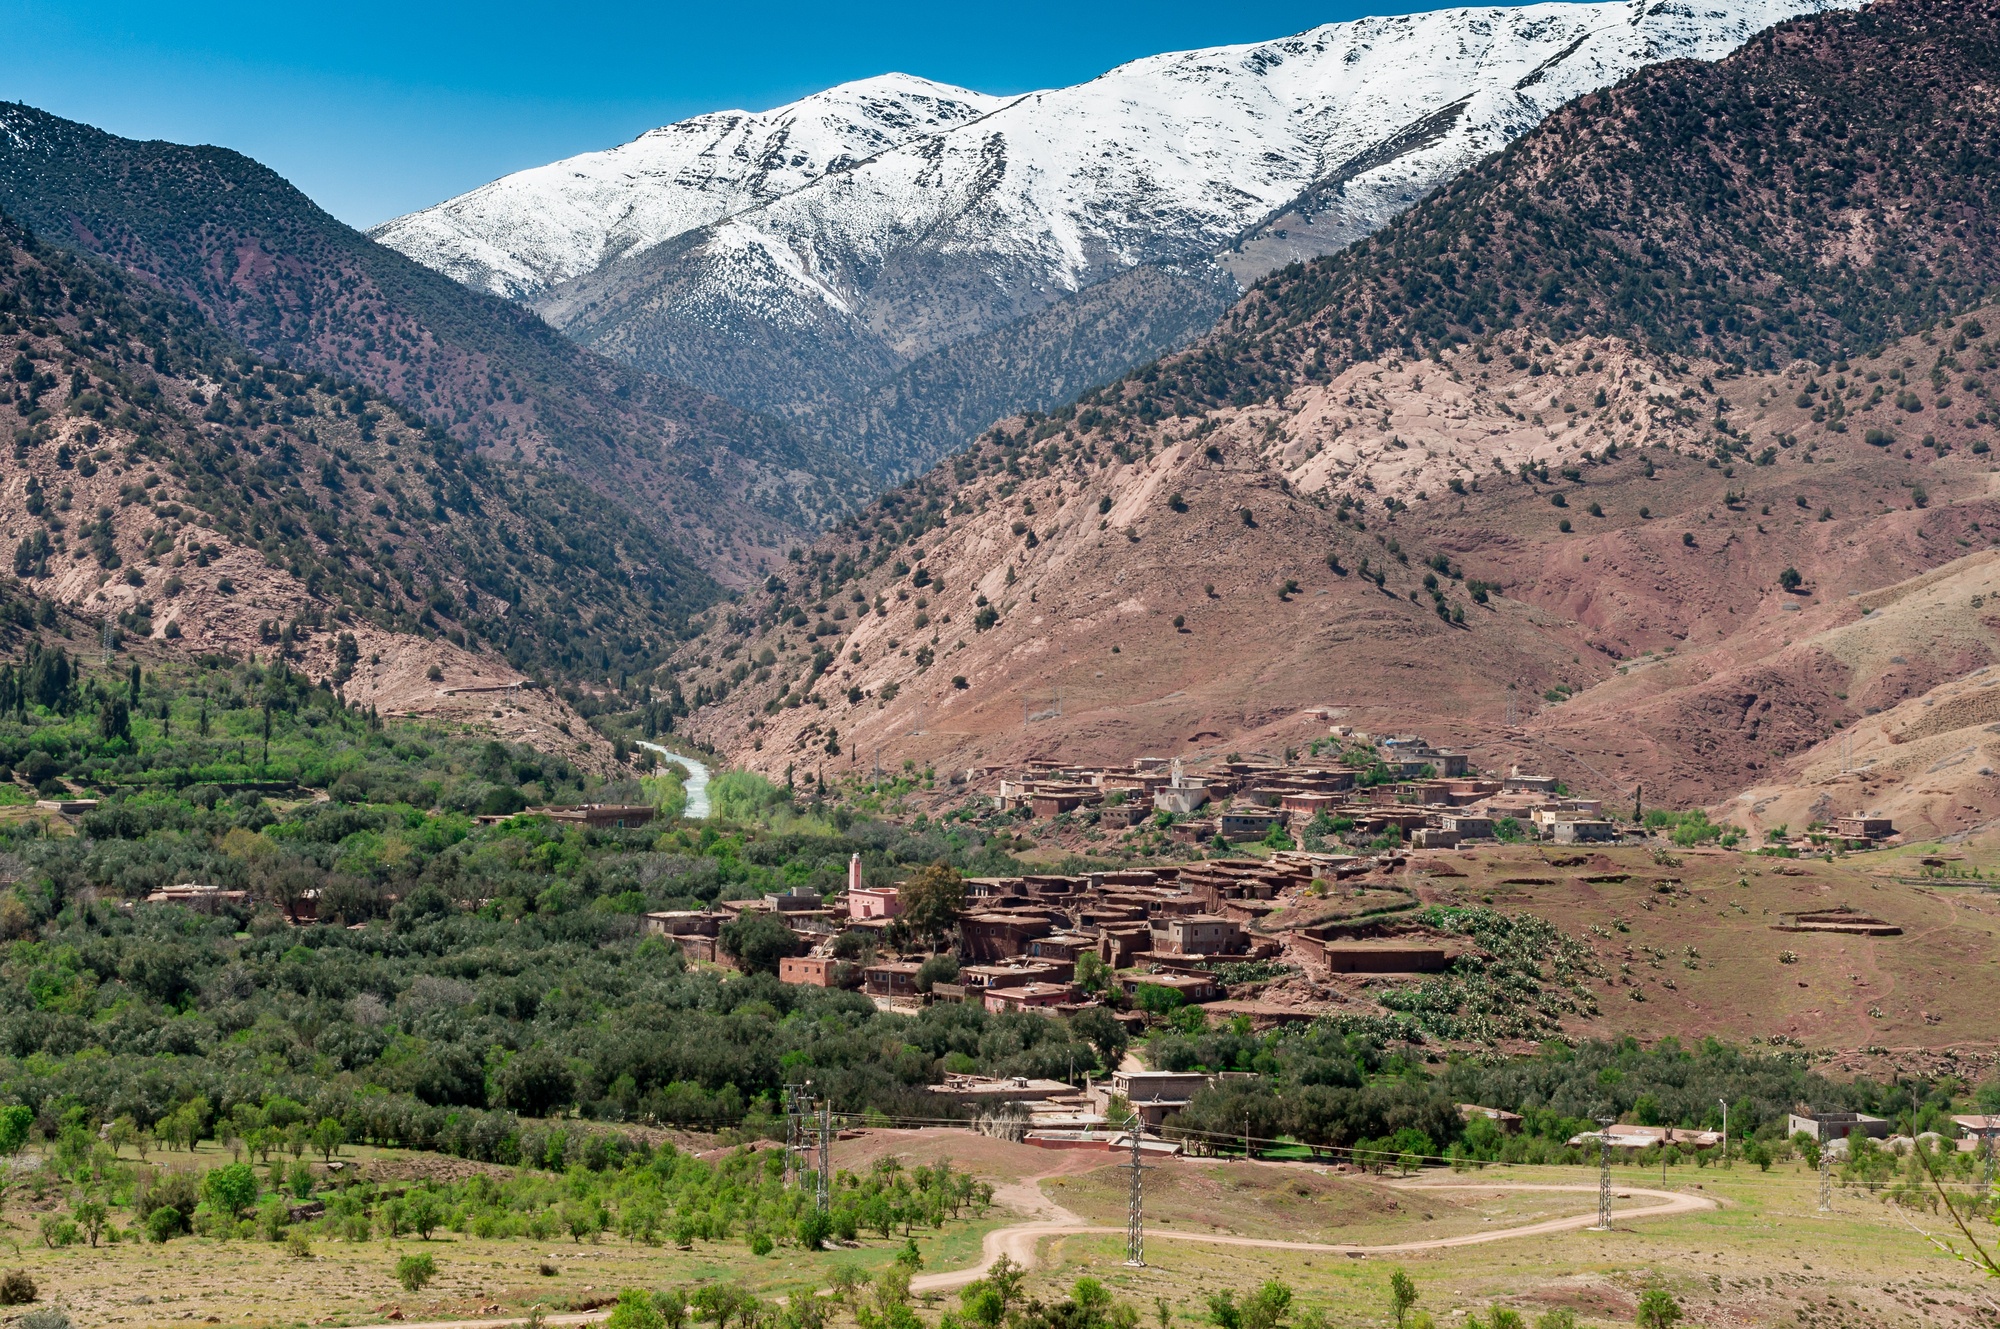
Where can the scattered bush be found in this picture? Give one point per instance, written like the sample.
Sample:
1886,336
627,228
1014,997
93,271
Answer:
415,1272
17,1288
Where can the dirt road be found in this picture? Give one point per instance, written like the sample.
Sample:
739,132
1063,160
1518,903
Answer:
1021,1242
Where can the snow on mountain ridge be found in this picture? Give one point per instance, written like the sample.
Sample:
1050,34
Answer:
1176,156
527,231
806,292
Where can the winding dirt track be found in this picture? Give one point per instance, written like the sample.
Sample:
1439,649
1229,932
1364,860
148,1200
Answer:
1021,1242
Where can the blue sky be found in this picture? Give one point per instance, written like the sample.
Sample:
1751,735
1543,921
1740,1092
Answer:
376,108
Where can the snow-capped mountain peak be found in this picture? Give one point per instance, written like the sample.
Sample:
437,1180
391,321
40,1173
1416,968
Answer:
527,231
916,261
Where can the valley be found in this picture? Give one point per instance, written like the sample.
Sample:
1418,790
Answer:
1318,646
858,288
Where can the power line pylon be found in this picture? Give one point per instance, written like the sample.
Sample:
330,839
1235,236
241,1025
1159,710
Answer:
825,1154
1135,1218
1603,1179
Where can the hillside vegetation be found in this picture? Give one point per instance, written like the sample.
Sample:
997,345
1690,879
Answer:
1828,188
208,496
294,285
1540,446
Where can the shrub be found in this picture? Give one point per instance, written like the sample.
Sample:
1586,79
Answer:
415,1271
164,1224
17,1288
1790,579
15,1120
815,1227
635,1310
1658,1309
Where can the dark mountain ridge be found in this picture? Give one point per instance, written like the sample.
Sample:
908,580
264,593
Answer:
290,282
164,475
1828,188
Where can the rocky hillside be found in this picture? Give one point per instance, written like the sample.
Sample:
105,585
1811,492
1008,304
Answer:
289,282
193,494
1635,559
1830,187
884,275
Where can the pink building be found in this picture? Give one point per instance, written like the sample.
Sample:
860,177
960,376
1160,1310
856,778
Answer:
874,902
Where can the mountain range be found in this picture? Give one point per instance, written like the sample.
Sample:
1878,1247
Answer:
893,264
166,481
277,274
1653,446
1656,450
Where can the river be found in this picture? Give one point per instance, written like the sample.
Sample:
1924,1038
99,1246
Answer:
697,779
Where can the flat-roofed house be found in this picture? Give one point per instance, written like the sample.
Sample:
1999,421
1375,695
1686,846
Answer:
1198,934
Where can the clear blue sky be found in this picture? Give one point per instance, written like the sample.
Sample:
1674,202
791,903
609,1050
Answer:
375,108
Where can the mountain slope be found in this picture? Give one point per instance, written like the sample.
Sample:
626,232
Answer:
1584,540
289,281
528,231
216,501
1242,157
1832,186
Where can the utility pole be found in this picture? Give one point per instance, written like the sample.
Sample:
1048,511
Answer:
825,1154
1603,1176
1825,1179
1725,1130
791,1135
1135,1222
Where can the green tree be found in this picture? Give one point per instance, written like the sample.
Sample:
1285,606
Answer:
932,900
1658,1309
1092,973
327,1137
164,1224
1402,1295
937,969
230,1190
815,1227
757,940
635,1310
425,1212
535,1082
1266,1308
1099,1028
14,1123
91,1216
